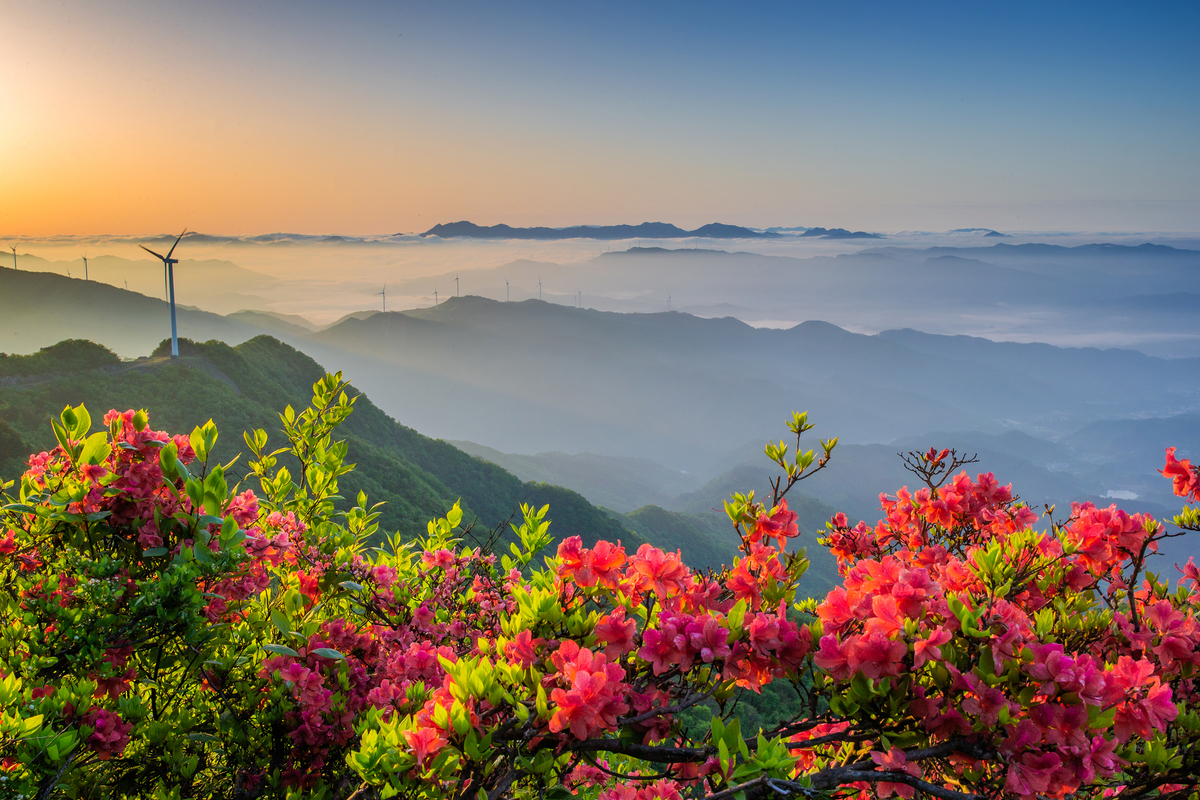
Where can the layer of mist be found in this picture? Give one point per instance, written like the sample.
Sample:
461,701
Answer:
1070,292
989,344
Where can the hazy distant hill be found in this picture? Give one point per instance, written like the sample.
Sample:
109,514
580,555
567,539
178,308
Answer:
622,484
217,285
646,230
38,309
1067,296
840,233
683,391
986,232
670,508
280,323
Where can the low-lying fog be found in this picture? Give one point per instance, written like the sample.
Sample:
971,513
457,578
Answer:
1064,298
685,398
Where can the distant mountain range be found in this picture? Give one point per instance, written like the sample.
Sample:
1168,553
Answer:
987,232
683,391
839,233
646,230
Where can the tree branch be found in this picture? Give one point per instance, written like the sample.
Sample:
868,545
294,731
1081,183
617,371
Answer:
838,776
675,709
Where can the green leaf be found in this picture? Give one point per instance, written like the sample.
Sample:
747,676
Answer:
83,421
281,621
29,725
280,650
155,552
328,652
736,618
168,460
95,448
60,433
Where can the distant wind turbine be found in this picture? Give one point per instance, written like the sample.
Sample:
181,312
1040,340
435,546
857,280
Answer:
169,276
668,301
506,290
85,271
384,294
539,287
456,286
14,249
435,302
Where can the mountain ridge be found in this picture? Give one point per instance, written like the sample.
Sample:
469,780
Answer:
645,230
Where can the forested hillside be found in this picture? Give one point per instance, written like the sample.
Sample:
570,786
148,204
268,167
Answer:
246,386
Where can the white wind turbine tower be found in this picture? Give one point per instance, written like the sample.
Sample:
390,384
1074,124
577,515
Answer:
169,278
384,295
506,290
456,286
85,271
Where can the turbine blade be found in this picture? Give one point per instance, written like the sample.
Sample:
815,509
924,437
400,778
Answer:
151,252
172,250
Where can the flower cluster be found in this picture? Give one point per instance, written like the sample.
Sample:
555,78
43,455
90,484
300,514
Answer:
160,628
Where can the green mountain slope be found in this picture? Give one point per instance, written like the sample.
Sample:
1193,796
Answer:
244,387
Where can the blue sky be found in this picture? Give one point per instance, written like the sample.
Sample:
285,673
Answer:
374,117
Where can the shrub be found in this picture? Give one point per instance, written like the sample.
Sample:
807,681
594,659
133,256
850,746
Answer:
171,627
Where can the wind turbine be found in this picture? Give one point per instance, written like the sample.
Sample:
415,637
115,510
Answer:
85,272
456,286
435,302
384,294
169,278
539,287
668,301
506,290
14,249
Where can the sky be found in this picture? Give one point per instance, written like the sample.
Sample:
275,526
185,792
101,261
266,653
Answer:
242,117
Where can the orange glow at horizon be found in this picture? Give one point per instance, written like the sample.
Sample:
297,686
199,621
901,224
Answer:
136,117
